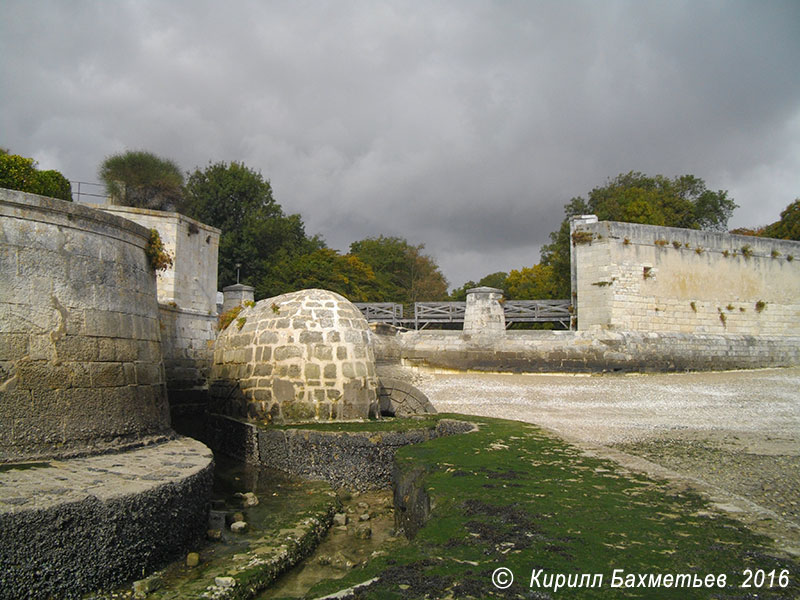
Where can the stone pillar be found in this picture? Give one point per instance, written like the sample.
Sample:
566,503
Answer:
574,223
484,313
236,295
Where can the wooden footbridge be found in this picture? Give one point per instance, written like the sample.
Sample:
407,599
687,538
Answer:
428,313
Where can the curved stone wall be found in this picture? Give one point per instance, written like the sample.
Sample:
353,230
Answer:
296,357
80,356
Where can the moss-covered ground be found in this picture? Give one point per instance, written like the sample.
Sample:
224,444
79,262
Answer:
377,425
291,517
514,496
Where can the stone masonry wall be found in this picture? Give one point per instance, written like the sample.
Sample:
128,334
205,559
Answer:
644,278
296,357
80,351
191,282
187,294
587,351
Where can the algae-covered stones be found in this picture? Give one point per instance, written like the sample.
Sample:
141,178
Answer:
248,499
143,587
296,357
238,527
363,532
192,559
224,582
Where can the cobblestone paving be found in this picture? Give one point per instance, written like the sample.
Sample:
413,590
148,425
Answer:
44,484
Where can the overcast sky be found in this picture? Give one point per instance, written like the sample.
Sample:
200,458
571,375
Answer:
462,125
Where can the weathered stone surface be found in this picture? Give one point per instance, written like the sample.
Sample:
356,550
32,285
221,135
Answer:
483,314
79,327
353,460
643,278
99,521
301,356
588,351
401,399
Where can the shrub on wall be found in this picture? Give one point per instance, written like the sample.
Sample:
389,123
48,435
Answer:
20,173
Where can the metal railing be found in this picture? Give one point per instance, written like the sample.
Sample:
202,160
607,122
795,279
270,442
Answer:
427,313
77,192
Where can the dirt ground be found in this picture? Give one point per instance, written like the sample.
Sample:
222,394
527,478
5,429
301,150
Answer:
734,436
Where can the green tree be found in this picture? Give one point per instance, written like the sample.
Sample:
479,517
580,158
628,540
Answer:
404,274
144,180
556,253
497,280
255,232
327,269
788,228
532,283
683,201
20,173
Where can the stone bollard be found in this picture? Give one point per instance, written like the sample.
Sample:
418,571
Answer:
484,312
236,295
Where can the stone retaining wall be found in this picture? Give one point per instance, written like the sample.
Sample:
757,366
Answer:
80,351
577,351
93,523
187,341
632,277
353,460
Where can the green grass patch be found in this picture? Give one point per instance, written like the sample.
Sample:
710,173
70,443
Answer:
513,496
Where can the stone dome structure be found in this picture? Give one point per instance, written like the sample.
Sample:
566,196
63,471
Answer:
297,357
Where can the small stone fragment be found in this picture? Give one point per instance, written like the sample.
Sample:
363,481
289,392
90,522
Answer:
363,532
363,506
214,535
340,561
238,517
145,586
192,559
224,582
248,499
238,527
340,519
363,517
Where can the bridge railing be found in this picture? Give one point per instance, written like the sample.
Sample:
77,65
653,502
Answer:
381,312
537,311
426,313
438,312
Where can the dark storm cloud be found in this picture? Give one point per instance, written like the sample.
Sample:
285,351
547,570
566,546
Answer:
464,125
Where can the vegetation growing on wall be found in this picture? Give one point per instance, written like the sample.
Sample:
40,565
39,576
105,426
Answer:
157,254
21,173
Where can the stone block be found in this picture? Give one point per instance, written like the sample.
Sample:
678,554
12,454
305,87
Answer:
13,346
107,374
287,352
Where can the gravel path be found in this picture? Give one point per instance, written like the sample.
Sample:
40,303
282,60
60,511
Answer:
736,432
